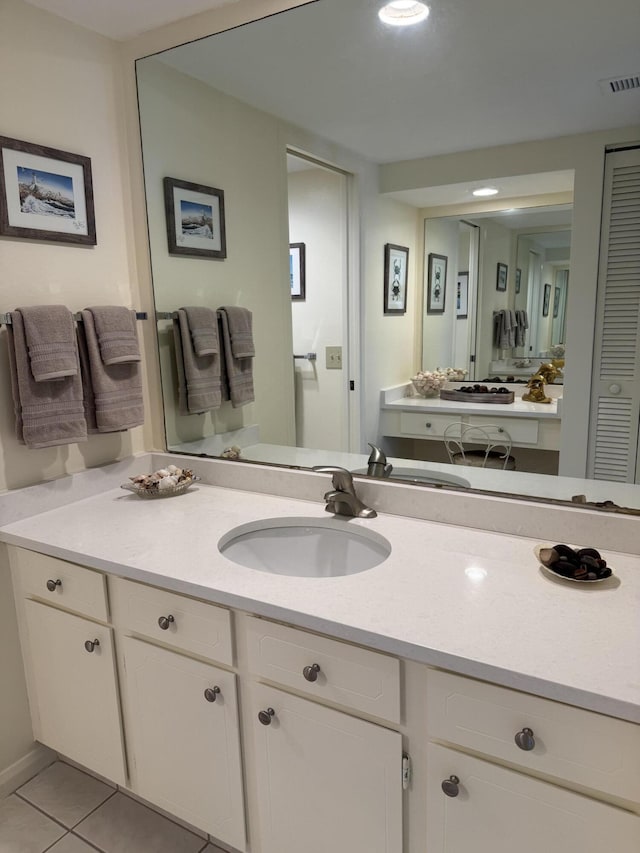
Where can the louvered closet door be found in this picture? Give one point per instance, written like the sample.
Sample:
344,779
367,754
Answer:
615,406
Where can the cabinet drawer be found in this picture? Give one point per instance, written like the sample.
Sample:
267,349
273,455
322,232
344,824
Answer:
579,746
426,424
190,625
73,587
347,675
502,811
521,430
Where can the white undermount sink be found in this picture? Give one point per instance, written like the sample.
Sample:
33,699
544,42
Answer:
305,547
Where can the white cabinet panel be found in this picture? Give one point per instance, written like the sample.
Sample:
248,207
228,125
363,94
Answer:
184,750
327,782
75,690
501,811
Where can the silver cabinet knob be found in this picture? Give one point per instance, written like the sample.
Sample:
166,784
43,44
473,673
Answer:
91,644
165,621
311,672
451,786
615,388
428,425
525,740
211,693
53,585
265,717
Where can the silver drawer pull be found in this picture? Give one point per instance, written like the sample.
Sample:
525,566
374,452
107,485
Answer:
265,717
90,645
211,693
428,425
451,786
165,621
53,585
311,672
525,740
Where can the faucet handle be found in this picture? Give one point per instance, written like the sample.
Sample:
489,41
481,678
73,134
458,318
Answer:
376,455
341,479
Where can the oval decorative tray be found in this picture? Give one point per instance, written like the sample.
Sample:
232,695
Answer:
466,397
144,492
550,571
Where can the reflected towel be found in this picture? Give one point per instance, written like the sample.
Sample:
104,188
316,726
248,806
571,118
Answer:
203,328
117,333
117,388
201,372
239,322
238,372
50,336
48,414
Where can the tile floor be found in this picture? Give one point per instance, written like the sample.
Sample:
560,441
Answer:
63,810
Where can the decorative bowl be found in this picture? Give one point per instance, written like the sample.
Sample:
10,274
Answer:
171,491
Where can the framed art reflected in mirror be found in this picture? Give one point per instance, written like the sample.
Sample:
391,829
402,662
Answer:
436,283
195,220
396,263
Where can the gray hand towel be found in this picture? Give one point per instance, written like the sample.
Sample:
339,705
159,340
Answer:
88,397
238,371
203,326
239,321
51,341
48,414
201,372
117,333
117,388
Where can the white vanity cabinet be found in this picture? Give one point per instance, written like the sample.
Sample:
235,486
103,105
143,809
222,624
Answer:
180,712
478,805
325,779
69,661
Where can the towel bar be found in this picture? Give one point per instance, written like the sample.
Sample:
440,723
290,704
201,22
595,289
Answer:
5,319
310,356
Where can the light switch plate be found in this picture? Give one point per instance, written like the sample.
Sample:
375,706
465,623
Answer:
334,358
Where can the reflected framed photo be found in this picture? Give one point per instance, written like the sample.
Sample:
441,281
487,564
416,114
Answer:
297,274
396,265
45,194
556,301
501,279
545,300
518,280
195,220
462,296
436,283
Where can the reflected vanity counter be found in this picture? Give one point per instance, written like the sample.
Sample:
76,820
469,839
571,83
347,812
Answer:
531,425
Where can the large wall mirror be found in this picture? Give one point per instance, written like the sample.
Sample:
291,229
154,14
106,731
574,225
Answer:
336,273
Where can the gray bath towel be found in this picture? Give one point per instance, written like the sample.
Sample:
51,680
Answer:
117,388
51,341
203,327
88,397
117,333
48,414
504,329
522,324
201,372
240,322
238,371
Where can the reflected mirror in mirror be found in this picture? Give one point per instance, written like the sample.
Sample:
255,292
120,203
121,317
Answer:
329,363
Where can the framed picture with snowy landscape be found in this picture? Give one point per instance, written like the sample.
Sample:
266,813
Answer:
195,220
45,194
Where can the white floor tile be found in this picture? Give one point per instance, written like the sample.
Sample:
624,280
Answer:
65,793
122,825
71,844
24,829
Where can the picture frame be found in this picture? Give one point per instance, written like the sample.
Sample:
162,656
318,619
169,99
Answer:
297,271
396,266
462,296
45,194
501,278
545,300
518,280
436,283
195,220
556,302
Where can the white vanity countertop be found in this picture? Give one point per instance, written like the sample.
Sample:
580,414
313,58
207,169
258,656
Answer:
518,409
461,599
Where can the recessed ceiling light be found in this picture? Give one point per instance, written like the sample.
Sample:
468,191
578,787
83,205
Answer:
484,191
403,13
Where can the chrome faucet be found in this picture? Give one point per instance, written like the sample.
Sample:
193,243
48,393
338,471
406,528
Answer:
377,463
342,500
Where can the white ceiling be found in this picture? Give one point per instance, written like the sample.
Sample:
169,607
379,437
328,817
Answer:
124,19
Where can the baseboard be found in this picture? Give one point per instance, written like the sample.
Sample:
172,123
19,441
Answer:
24,768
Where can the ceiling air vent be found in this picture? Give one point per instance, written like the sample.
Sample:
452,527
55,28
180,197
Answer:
620,84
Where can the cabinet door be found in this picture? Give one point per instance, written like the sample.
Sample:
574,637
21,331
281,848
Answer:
78,711
498,811
326,781
184,749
